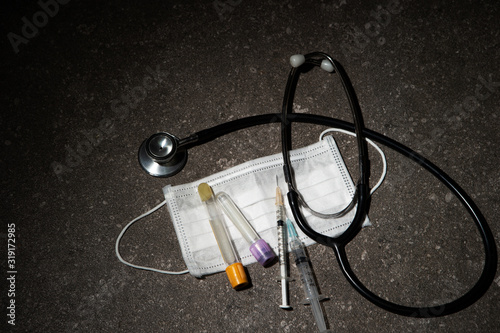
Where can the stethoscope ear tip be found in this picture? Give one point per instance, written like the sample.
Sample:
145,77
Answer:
297,60
327,66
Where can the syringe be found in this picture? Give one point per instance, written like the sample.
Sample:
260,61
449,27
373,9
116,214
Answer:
282,247
306,275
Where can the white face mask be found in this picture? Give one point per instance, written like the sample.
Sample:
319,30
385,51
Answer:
321,177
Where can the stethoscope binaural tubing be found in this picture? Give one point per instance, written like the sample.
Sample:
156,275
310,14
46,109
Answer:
490,250
301,64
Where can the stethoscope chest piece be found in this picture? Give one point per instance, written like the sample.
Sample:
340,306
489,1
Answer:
158,155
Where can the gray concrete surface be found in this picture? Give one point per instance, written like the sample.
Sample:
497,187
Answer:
426,74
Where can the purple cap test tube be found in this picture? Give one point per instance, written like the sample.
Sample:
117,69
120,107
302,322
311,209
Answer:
258,247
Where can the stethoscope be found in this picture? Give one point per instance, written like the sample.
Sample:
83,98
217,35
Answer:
164,155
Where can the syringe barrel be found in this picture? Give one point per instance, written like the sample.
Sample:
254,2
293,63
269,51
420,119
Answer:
306,275
237,217
280,213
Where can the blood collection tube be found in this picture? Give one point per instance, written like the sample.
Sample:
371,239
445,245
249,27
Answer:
258,247
234,270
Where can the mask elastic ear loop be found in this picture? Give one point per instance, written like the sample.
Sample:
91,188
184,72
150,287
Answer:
117,245
373,144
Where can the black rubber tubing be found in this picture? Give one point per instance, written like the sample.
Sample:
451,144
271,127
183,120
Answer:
490,250
361,196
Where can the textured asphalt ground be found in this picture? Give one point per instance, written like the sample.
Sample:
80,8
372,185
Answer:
83,83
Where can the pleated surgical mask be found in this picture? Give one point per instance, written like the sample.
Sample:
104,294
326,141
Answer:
321,177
